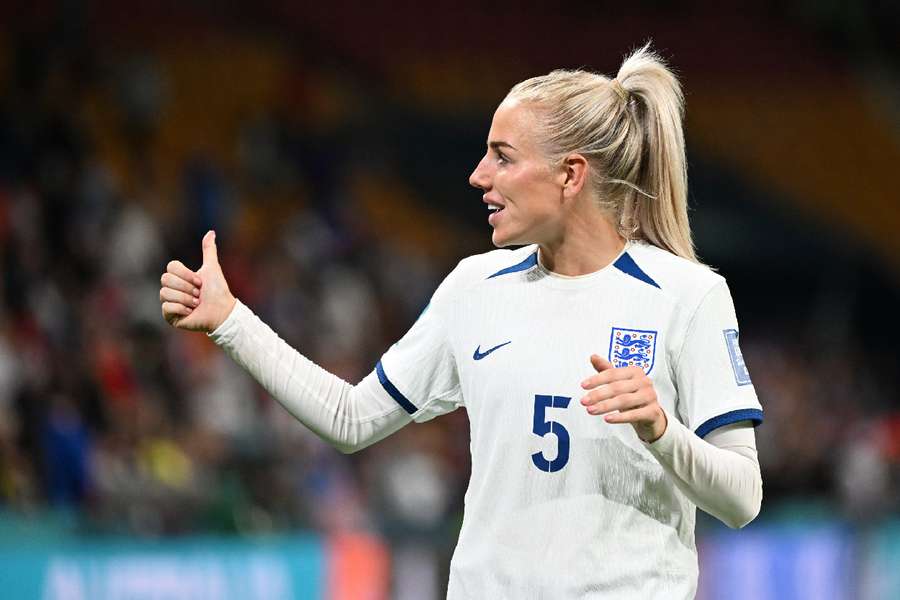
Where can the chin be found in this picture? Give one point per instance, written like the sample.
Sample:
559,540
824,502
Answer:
504,236
501,239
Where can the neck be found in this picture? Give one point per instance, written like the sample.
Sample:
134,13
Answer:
588,243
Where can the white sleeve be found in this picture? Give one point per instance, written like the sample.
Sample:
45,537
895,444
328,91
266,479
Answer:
419,371
349,417
720,474
712,380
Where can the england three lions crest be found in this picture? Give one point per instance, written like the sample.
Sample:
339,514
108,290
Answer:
632,348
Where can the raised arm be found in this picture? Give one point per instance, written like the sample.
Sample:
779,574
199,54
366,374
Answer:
349,417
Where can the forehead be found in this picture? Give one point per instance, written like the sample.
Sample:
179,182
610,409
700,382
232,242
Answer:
514,123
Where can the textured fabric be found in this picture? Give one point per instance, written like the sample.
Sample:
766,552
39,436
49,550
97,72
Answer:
719,474
349,417
560,503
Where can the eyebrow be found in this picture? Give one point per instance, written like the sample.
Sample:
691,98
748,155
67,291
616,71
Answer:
497,145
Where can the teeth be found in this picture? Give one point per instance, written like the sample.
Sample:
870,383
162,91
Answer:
493,207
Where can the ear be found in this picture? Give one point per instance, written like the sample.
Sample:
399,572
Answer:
574,175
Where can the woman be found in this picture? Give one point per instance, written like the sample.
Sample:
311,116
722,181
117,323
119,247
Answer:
599,364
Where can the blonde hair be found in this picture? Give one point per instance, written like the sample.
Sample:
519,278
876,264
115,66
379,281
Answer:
629,129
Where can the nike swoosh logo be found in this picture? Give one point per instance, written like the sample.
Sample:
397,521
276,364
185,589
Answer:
479,355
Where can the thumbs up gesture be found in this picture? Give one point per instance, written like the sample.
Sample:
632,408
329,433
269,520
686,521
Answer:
196,300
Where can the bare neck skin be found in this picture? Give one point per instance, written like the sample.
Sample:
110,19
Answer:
587,241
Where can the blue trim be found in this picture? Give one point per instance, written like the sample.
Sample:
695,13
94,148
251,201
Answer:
522,266
743,414
393,391
627,265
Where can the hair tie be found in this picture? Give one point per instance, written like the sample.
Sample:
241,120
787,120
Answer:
619,90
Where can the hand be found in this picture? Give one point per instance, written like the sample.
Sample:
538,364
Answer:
629,391
196,301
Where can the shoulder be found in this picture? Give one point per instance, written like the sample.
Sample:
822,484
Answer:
684,281
478,268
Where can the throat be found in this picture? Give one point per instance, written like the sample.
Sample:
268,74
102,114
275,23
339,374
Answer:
571,260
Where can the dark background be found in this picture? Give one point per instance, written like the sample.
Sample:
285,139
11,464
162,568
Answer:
330,146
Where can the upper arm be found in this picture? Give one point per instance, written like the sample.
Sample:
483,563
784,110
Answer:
739,437
713,382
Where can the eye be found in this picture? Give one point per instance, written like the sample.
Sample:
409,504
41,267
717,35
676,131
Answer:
501,158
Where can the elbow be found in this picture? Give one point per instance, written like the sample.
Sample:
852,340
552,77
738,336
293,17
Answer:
742,519
347,448
747,510
352,442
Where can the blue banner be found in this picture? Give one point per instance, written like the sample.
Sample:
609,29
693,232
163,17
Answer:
215,569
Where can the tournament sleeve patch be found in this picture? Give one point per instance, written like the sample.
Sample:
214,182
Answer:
741,374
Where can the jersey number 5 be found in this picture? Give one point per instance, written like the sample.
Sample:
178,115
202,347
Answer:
542,427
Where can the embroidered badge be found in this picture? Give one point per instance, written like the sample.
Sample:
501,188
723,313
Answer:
632,348
741,374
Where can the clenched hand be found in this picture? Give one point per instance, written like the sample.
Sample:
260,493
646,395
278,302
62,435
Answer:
629,391
196,301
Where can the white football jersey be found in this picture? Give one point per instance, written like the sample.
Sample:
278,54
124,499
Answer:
560,503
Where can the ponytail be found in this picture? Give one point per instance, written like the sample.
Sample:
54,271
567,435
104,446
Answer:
630,130
657,209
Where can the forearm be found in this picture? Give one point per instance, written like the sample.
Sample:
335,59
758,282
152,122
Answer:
349,417
721,476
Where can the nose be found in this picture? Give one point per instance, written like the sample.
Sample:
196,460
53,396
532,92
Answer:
480,177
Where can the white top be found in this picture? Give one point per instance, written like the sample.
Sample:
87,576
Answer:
560,503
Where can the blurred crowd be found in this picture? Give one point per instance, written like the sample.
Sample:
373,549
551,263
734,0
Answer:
107,412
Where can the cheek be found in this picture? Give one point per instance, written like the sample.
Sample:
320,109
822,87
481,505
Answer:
517,185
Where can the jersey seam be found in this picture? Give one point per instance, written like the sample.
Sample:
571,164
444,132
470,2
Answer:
449,348
481,279
439,319
676,362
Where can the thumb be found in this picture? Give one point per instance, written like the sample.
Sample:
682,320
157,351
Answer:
599,363
210,253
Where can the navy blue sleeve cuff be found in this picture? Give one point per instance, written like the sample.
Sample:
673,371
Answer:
745,414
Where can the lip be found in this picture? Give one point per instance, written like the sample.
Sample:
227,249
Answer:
492,202
494,214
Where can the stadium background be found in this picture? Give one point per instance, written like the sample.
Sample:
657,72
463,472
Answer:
329,145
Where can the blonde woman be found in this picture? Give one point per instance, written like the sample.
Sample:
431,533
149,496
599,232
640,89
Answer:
599,362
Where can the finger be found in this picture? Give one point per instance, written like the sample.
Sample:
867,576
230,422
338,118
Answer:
210,252
174,309
643,413
611,375
176,267
167,294
623,402
611,390
599,363
177,283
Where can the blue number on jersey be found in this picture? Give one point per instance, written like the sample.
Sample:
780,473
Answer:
542,427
